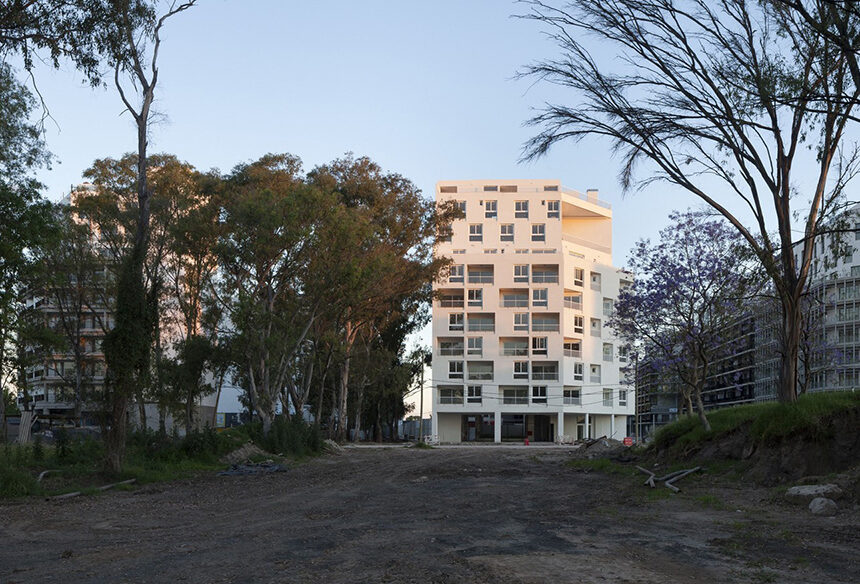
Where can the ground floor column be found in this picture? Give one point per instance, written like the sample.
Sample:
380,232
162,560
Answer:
587,427
497,427
612,426
559,425
434,427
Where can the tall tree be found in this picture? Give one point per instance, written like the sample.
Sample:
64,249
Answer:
729,101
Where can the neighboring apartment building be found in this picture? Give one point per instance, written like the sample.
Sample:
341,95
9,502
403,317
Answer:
521,345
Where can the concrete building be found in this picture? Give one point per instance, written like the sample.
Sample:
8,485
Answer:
521,345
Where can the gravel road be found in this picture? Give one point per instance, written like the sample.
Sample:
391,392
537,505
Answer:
460,514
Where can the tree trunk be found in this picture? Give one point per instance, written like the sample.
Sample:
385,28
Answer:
189,413
141,410
115,437
344,387
792,318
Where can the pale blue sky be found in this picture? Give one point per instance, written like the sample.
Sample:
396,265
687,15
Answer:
425,89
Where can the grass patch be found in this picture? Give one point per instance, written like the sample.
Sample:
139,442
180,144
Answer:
423,445
711,501
603,465
767,422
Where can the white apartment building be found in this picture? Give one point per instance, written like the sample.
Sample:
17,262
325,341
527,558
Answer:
521,345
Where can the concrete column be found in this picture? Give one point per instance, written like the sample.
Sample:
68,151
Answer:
434,425
587,427
497,427
559,427
612,426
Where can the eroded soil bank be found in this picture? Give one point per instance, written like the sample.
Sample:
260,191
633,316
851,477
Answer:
458,514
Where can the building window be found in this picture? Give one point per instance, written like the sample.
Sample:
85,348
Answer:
521,369
539,345
450,394
476,297
539,297
506,232
456,272
594,374
857,232
545,275
572,396
458,251
595,281
514,395
482,322
573,349
490,209
608,306
451,299
622,397
578,371
595,327
476,346
521,273
515,299
476,232
573,300
623,352
444,235
521,321
480,274
521,209
538,232
447,189
515,347
455,322
545,371
550,188
455,369
480,370
579,325
451,347
539,394
607,397
552,209
578,276
491,188
607,351
545,322
508,188
474,395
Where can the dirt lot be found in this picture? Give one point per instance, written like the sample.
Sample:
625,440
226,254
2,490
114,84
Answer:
481,514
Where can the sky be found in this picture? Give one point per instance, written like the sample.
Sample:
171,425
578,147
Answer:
425,89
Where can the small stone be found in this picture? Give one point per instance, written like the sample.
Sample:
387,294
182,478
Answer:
823,506
802,494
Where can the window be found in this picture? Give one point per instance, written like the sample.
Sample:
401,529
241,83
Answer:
545,371
594,373
451,299
550,188
455,322
480,370
573,300
476,297
545,322
521,209
444,235
545,275
482,322
521,321
461,206
521,369
595,327
490,209
508,188
539,297
456,273
539,345
579,324
515,347
607,397
573,349
622,397
474,394
450,394
455,369
480,274
623,352
521,273
451,347
578,371
491,188
447,189
607,352
506,232
608,305
515,298
857,232
572,396
476,232
458,251
578,276
515,395
552,209
538,232
539,394
595,281
475,346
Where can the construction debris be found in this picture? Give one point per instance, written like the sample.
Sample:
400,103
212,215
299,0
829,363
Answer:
104,488
668,479
332,447
243,454
265,467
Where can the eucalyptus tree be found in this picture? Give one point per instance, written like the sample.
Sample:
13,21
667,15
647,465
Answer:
741,104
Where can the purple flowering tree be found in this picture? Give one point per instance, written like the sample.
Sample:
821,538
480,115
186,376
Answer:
688,296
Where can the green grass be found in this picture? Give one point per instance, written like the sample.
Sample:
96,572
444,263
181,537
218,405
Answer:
423,445
603,465
768,422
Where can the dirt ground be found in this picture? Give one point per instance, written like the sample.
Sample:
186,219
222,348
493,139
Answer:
459,514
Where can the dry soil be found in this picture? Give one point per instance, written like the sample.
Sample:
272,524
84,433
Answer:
458,514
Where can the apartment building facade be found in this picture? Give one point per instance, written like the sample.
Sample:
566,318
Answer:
521,345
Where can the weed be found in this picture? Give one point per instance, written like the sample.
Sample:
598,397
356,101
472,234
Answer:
423,445
603,465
